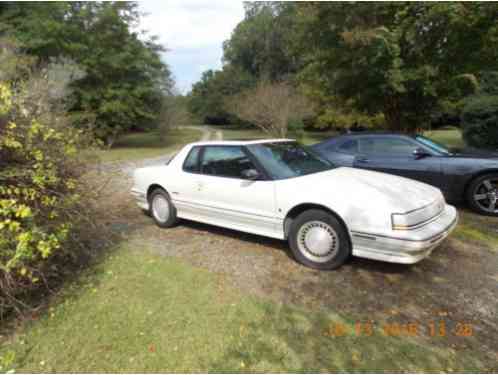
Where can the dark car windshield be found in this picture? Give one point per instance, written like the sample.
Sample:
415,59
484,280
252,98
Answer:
288,159
433,145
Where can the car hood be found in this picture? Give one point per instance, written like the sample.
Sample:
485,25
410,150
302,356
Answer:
470,153
365,199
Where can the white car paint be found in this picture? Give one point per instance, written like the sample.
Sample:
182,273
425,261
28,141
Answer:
365,201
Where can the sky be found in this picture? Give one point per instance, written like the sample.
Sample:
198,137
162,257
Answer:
193,31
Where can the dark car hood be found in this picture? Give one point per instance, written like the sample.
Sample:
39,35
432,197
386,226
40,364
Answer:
471,153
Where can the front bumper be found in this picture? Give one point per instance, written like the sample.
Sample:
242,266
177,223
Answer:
407,247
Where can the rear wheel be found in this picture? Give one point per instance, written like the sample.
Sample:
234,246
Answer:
162,210
482,194
318,240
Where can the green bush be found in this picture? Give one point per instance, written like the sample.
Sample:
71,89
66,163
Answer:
480,121
42,205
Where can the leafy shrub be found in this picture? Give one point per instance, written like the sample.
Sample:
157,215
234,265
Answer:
42,205
296,128
488,82
336,118
480,121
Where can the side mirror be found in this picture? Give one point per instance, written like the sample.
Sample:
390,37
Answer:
250,174
420,153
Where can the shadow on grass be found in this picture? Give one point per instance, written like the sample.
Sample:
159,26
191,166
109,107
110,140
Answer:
287,339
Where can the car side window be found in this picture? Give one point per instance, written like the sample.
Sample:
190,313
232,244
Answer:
225,161
191,163
386,146
349,147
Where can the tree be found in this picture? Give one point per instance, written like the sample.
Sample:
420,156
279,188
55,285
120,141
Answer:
124,79
260,44
270,106
206,100
394,64
480,121
173,114
358,59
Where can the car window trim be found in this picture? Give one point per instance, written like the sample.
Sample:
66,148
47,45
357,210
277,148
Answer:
197,164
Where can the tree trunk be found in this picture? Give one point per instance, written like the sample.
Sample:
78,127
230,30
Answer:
392,115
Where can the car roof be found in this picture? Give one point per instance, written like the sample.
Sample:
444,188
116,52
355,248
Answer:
353,135
240,142
380,133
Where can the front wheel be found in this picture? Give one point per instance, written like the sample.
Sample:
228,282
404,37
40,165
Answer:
318,240
162,210
482,194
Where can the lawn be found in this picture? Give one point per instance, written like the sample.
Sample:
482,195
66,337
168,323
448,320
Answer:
477,229
139,312
147,145
451,137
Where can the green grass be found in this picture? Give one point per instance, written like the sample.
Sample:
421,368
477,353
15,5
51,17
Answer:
474,228
138,312
147,145
450,137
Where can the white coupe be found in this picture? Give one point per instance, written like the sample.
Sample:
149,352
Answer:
280,189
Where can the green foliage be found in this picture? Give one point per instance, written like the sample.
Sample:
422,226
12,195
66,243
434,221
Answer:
207,98
335,118
488,82
394,65
7,361
124,79
173,114
259,49
296,128
480,121
260,44
40,197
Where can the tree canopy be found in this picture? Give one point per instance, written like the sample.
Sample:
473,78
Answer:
124,79
400,62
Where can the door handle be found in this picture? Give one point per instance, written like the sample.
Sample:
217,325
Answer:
200,185
362,159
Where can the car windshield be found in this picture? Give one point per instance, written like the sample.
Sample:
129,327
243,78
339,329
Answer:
433,145
288,159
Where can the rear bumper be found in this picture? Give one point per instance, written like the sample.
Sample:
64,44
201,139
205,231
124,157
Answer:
409,246
140,198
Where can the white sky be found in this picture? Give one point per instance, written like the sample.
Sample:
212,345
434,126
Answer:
193,32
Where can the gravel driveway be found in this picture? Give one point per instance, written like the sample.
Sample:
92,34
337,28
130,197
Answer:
457,285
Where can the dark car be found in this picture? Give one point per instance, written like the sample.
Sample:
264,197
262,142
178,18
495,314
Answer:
470,176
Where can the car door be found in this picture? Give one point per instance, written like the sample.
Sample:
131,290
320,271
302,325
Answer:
394,155
227,199
185,191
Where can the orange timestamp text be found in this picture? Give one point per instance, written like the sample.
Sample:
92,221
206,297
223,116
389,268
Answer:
431,328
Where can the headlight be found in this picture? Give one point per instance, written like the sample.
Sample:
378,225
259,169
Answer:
418,217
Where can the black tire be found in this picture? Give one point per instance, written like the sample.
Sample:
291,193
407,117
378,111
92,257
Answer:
161,197
336,236
477,188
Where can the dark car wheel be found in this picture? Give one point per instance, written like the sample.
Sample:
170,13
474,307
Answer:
162,210
482,194
318,240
